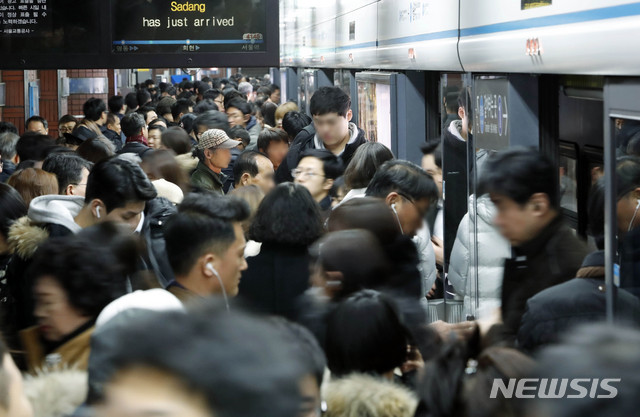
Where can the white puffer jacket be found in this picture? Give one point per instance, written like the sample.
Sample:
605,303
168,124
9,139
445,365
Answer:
492,251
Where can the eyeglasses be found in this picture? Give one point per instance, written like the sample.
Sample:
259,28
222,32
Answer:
422,213
65,129
295,173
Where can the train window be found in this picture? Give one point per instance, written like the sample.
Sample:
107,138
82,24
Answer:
374,112
568,177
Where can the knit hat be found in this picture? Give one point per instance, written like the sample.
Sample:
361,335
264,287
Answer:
216,139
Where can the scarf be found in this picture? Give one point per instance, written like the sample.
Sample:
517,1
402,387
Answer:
138,138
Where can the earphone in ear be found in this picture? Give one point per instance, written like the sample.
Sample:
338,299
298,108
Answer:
98,212
393,207
638,206
224,291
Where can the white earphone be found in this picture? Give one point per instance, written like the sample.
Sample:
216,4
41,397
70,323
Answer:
98,212
393,207
634,216
224,292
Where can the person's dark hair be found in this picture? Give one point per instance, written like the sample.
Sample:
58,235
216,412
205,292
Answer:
332,165
246,162
187,122
93,109
67,168
144,111
143,97
95,150
232,94
203,88
595,350
12,207
595,213
212,120
518,174
67,118
8,142
627,175
464,100
180,106
365,334
34,146
149,82
366,213
405,178
212,94
452,102
91,267
287,215
268,111
433,147
156,126
330,100
338,252
456,381
364,164
117,182
131,101
176,139
305,346
267,136
236,378
265,90
132,124
205,105
36,119
116,104
241,105
203,223
164,106
8,127
294,121
186,85
239,132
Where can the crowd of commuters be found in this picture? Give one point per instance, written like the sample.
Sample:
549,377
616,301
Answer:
204,250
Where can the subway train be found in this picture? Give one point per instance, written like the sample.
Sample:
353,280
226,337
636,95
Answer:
557,75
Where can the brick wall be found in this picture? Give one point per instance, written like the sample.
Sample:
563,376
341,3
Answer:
76,101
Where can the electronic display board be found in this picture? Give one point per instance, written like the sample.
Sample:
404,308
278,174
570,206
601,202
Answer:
138,33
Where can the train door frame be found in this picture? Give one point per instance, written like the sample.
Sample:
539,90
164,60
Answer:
620,101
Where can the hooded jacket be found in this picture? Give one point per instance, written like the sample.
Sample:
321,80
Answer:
307,139
492,250
367,396
48,216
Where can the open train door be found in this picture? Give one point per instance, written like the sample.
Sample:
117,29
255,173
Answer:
622,204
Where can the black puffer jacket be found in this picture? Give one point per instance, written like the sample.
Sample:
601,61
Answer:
305,140
554,311
157,212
